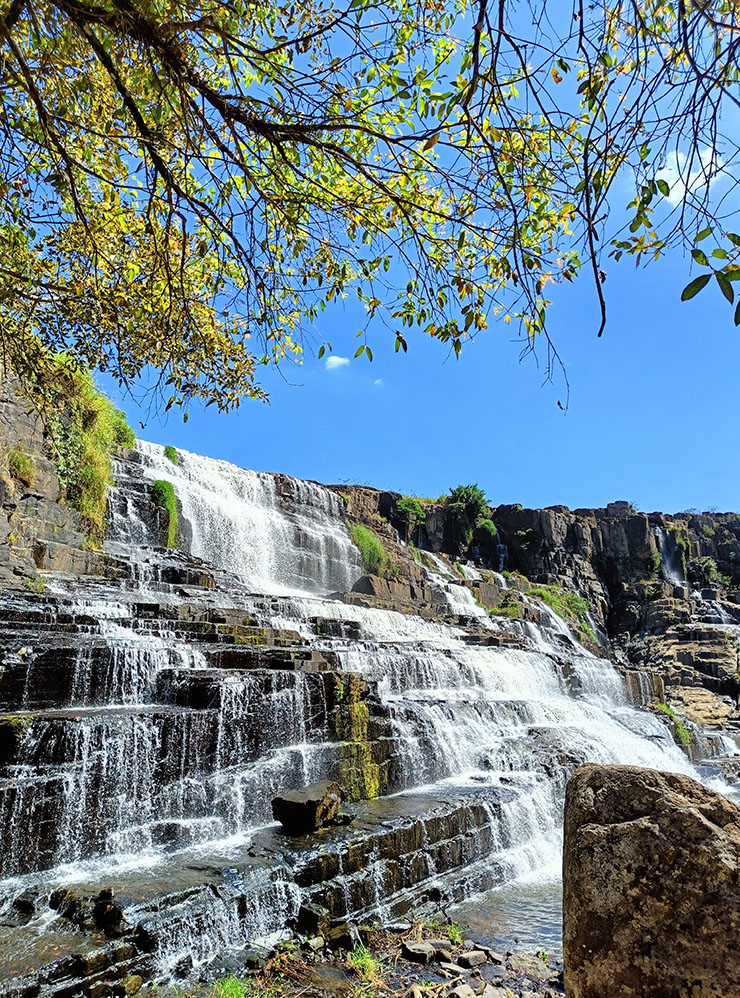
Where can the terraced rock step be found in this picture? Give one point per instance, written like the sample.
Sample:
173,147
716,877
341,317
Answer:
398,853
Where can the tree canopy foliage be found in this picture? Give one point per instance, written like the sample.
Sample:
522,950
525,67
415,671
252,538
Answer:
187,185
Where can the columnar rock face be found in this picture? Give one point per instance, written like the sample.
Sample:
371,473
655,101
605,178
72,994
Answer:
651,886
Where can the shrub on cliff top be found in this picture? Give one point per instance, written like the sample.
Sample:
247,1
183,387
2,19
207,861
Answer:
374,556
163,495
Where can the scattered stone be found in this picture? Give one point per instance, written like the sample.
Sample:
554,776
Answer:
344,937
399,927
462,991
473,958
443,955
132,984
493,955
469,944
529,966
301,812
451,968
439,943
651,881
315,943
417,952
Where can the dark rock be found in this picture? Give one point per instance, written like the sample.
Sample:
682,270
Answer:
473,958
417,952
652,877
344,937
493,955
303,811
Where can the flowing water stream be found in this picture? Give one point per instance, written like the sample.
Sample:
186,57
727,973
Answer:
157,755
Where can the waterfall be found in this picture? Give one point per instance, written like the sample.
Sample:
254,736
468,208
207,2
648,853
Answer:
154,724
670,557
277,533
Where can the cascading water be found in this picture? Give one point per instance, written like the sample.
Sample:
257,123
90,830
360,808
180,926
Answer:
172,725
670,557
292,540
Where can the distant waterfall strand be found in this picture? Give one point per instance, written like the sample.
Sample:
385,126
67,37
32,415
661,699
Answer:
280,534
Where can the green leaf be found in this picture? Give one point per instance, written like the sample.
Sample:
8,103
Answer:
734,238
720,254
695,287
359,350
725,287
321,351
701,257
703,234
369,353
664,188
737,314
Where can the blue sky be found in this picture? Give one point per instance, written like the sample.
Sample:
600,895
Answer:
652,417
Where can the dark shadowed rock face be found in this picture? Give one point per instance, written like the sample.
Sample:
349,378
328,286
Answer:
303,811
651,886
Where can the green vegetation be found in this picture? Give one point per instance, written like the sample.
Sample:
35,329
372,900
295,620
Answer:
37,585
163,495
231,987
511,610
374,556
707,530
362,961
467,505
681,732
21,466
569,606
655,562
455,933
411,511
171,454
708,568
84,429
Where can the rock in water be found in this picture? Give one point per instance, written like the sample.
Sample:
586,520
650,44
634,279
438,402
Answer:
303,811
651,886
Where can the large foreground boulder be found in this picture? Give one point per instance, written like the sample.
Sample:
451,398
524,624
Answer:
651,887
303,811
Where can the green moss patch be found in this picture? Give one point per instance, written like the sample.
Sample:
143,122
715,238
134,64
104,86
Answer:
680,732
569,606
163,495
171,454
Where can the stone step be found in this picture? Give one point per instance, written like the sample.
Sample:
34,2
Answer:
399,851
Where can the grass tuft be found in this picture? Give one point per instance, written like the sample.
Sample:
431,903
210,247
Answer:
455,933
374,556
171,453
163,495
683,735
21,466
367,966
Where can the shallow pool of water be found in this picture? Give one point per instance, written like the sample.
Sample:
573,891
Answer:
523,915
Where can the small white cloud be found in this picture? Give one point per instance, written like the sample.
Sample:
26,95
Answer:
332,363
682,180
378,382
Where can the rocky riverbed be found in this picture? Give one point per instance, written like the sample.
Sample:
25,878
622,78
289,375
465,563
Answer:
413,959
